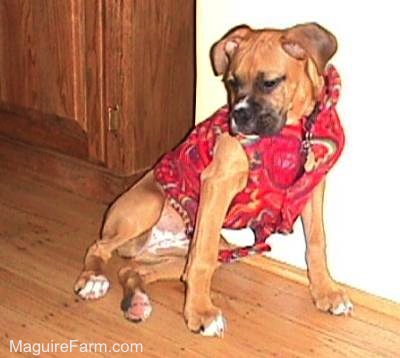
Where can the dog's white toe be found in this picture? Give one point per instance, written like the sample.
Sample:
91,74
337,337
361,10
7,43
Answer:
96,287
216,328
345,308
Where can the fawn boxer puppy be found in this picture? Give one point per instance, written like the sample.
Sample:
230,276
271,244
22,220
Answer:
256,165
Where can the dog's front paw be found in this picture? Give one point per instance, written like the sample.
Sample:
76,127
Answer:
91,287
209,322
216,328
331,298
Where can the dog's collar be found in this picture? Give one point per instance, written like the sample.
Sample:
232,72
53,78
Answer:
308,126
329,97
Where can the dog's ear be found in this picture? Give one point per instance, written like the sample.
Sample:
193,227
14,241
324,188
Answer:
223,50
310,40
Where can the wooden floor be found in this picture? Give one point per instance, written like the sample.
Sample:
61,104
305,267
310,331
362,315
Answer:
43,235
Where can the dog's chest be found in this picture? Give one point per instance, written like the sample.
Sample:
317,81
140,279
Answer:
278,160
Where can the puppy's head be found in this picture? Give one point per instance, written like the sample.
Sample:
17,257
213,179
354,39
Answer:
273,77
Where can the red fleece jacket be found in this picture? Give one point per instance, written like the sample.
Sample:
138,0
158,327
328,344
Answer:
277,189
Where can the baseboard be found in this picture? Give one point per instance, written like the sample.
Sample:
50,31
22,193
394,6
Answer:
78,176
295,274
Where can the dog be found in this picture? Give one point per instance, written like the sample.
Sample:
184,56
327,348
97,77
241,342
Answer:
256,165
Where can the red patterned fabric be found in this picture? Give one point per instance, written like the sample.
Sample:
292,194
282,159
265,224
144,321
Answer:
277,189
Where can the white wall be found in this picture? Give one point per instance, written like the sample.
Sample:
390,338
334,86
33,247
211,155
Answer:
363,191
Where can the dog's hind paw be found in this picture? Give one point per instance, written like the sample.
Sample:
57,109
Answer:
136,307
96,286
216,328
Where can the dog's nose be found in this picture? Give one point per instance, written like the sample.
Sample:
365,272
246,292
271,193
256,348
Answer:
241,115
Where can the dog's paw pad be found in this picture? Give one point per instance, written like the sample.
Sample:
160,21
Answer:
137,307
343,309
216,328
94,288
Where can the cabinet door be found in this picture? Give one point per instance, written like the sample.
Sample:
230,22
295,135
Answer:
150,77
51,88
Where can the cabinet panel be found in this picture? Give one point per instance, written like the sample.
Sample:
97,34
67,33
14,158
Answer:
164,72
41,62
43,85
150,47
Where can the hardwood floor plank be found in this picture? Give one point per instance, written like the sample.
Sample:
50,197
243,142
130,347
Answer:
375,303
363,329
39,199
44,233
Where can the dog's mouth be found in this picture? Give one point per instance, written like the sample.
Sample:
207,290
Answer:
255,120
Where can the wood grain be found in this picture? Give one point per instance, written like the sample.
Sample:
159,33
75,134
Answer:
43,235
64,63
43,79
164,68
378,304
41,57
150,47
94,77
43,130
78,176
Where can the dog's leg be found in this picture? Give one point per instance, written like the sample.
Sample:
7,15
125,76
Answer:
220,182
326,294
135,303
134,213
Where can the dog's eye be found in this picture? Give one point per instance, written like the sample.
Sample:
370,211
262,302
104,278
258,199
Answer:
233,83
269,85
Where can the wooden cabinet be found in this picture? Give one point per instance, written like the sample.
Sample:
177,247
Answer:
94,91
